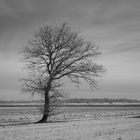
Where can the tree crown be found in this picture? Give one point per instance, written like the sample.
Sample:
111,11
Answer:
58,52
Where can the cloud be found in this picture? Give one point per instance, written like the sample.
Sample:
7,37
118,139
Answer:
4,10
132,47
114,18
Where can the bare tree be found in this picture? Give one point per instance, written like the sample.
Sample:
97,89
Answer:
56,53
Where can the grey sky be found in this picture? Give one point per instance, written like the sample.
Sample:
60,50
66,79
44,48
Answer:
112,24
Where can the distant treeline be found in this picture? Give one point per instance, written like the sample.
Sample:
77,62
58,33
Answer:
82,100
104,100
34,101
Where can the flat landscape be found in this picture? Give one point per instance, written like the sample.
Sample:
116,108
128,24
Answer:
73,123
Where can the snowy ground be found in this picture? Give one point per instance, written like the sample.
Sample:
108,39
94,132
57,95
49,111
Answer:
73,125
114,129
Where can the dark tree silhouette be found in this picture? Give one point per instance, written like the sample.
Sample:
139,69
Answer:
56,53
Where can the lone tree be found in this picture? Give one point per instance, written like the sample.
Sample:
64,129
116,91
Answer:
55,53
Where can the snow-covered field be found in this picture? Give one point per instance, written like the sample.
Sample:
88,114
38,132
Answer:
72,124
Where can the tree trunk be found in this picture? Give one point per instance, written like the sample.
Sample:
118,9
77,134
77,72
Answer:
47,105
44,119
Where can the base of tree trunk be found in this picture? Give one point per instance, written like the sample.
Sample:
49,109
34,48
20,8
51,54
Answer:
43,120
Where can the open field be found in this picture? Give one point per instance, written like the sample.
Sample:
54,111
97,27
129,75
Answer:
83,123
115,129
16,115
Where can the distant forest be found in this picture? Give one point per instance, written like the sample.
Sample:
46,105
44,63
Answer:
81,100
103,100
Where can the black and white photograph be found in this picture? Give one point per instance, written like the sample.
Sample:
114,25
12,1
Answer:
69,69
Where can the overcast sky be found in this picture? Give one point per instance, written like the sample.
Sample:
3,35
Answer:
114,25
